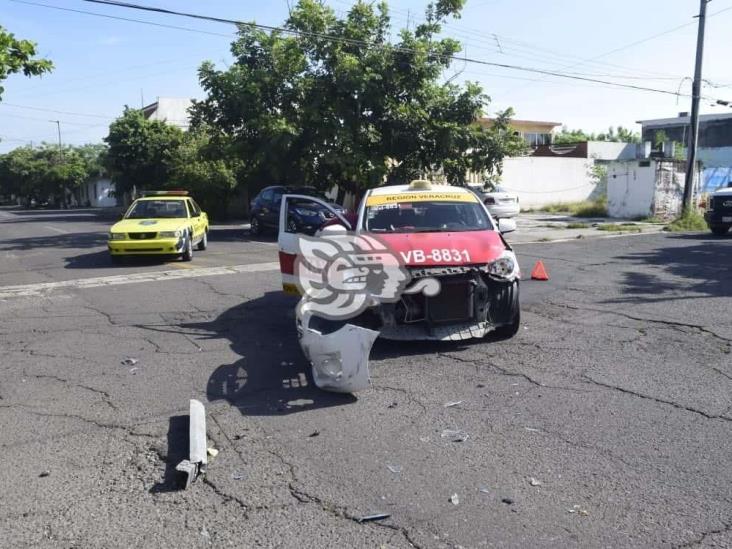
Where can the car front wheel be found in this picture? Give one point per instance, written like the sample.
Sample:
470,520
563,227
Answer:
255,229
720,230
187,254
506,310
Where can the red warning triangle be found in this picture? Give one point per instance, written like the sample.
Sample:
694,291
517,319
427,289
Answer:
539,272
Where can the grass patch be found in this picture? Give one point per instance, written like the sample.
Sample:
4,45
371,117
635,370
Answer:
620,227
586,208
652,219
578,226
689,222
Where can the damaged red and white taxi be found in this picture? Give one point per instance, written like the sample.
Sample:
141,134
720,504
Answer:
420,262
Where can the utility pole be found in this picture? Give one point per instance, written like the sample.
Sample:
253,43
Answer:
58,127
695,96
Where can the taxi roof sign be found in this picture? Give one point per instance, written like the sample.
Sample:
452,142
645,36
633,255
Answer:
420,184
176,192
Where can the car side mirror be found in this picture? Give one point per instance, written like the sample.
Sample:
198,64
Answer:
506,225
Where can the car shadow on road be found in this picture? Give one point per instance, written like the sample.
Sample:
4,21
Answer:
699,269
272,377
102,260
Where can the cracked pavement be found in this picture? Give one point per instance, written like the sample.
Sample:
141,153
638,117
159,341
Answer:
616,396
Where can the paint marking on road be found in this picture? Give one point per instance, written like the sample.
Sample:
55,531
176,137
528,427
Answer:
60,231
30,290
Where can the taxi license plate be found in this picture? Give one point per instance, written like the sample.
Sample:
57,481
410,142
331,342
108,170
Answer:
727,219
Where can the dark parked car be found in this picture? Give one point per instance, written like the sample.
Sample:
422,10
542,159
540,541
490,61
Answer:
719,210
301,217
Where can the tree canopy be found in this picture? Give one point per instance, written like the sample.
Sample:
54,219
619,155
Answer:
334,101
18,56
141,152
618,134
48,170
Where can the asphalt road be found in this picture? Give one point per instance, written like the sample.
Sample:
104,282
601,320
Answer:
607,421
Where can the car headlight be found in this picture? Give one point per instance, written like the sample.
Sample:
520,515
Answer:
306,212
116,236
503,267
170,234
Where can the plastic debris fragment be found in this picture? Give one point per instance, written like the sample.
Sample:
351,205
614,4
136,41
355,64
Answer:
375,516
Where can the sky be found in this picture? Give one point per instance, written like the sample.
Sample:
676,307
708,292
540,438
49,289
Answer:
103,64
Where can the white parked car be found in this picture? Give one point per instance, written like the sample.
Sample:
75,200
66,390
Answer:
501,203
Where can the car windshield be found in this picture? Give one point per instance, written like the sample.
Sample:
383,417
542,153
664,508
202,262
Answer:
147,209
426,216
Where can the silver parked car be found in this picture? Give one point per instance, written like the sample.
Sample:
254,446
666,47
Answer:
500,203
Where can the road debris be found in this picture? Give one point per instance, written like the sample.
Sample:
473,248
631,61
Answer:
375,516
507,501
534,482
454,499
392,405
394,468
45,474
129,361
452,404
238,475
213,452
197,461
314,434
532,430
455,435
578,509
484,490
133,371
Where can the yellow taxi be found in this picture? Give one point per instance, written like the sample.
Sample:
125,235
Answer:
160,223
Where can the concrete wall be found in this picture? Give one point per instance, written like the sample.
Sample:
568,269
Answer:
635,189
539,181
605,150
630,189
97,193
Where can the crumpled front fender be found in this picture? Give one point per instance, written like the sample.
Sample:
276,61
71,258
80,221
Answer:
340,359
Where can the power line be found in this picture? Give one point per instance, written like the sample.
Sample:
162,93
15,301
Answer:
356,42
71,113
350,41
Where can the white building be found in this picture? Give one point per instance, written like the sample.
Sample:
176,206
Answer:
97,193
172,110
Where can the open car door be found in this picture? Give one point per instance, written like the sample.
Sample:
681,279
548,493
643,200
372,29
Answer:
339,357
288,233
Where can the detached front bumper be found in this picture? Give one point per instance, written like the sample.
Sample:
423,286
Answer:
162,246
340,359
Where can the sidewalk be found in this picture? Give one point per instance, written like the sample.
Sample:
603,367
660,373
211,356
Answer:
547,227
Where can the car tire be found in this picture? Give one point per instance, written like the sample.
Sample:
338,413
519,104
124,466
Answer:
187,254
507,310
255,229
203,244
720,230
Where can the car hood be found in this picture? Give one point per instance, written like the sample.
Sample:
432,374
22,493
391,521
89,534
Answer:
473,247
723,192
148,225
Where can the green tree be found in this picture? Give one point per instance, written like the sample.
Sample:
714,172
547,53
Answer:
203,168
619,134
141,152
19,56
43,172
333,101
